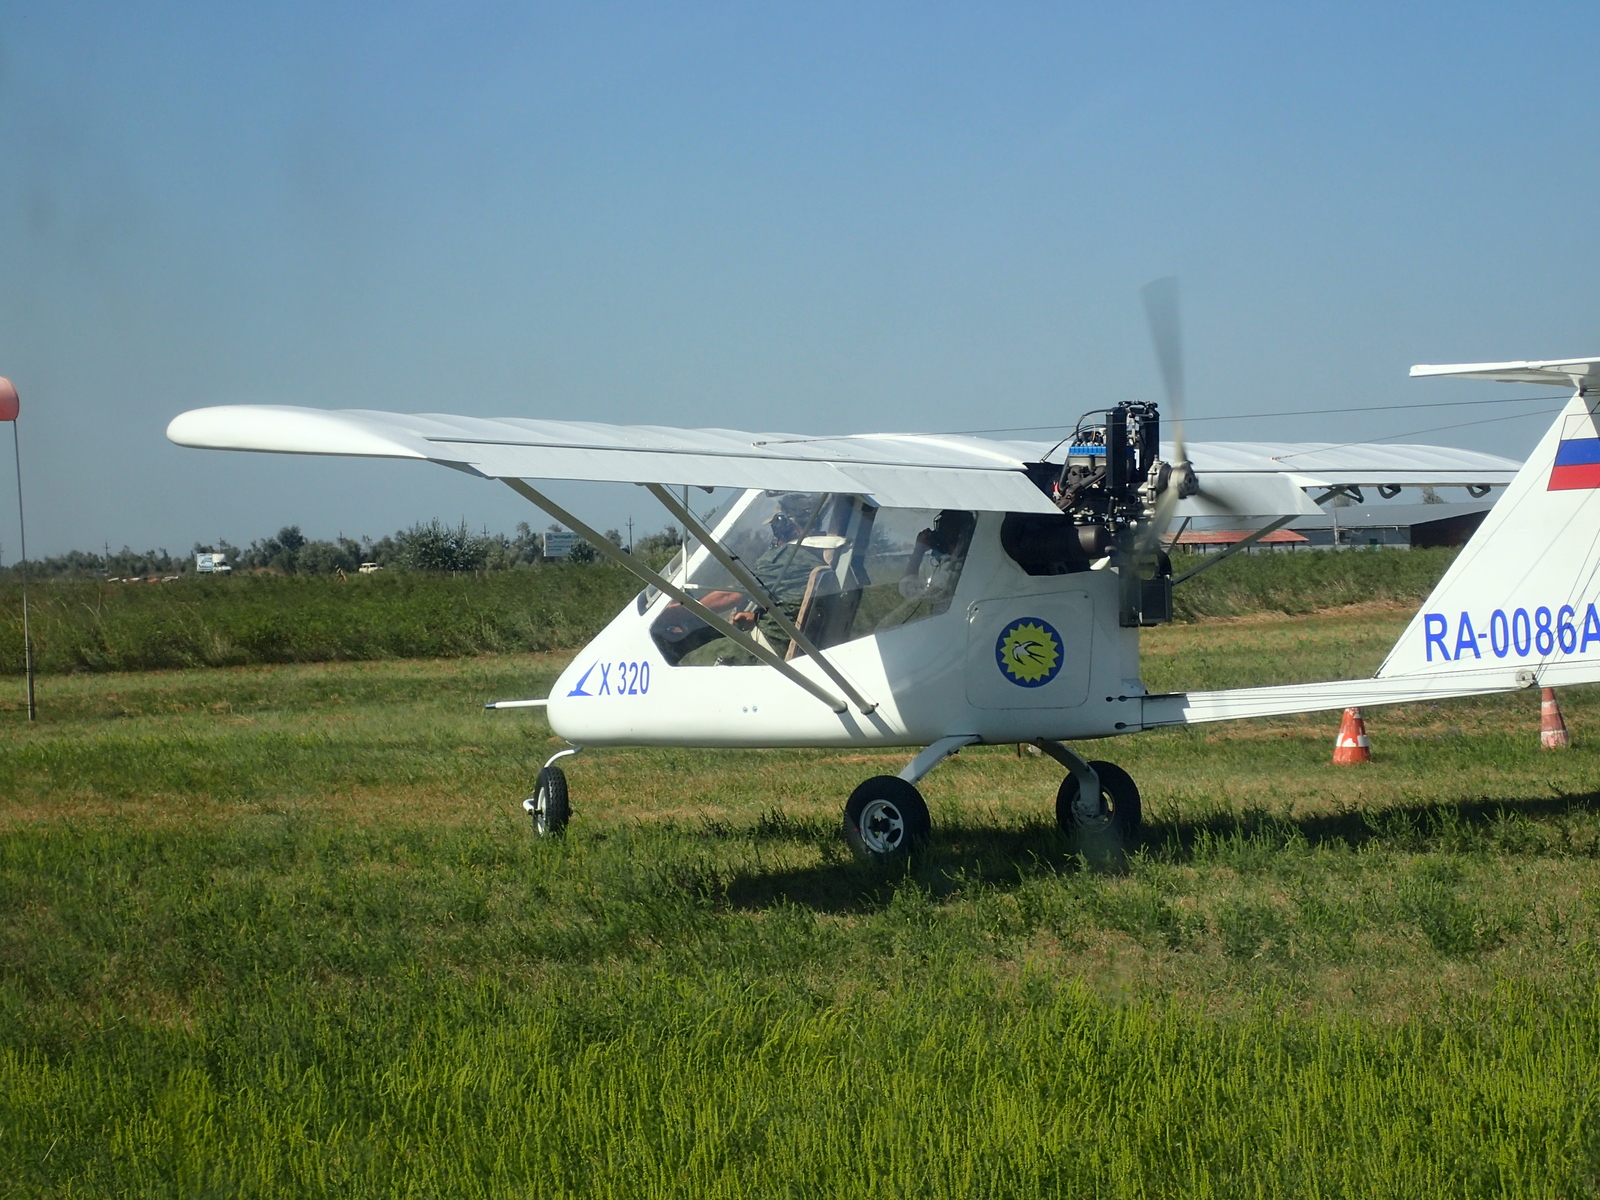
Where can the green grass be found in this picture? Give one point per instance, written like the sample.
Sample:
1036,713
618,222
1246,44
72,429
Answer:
1305,581
284,931
200,621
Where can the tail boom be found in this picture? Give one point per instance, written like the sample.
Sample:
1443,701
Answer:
1519,607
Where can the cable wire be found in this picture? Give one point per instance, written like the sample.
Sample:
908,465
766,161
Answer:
1413,433
1301,412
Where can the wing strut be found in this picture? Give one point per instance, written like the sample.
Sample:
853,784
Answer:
747,578
1243,544
1246,543
634,567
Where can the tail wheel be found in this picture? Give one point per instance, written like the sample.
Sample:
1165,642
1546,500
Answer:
549,806
1120,810
885,818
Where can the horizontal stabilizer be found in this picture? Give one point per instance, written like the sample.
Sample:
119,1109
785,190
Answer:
1559,372
1195,708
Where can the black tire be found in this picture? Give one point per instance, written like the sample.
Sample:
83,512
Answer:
1121,812
885,818
551,809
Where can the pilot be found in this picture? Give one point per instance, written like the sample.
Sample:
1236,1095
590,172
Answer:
784,570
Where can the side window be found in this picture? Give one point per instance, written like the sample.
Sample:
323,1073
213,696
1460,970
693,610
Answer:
836,567
672,570
913,565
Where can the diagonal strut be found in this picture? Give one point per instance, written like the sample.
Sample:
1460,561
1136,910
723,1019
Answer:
625,560
736,566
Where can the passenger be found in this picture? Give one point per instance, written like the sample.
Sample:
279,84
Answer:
936,559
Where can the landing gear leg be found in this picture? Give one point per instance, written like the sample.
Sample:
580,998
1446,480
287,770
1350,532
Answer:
549,806
1097,802
886,816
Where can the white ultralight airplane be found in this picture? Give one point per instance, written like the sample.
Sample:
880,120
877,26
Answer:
940,591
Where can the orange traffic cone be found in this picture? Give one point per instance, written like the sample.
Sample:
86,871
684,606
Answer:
1352,745
1552,729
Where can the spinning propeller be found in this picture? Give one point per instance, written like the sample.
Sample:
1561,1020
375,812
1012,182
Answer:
1166,332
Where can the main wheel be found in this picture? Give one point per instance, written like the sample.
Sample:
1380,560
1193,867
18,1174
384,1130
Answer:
549,807
884,818
1120,811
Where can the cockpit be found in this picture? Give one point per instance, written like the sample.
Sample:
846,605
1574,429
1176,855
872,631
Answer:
837,566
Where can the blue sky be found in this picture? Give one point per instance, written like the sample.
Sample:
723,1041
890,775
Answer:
815,218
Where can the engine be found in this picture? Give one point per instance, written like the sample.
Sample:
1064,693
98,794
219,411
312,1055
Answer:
1109,491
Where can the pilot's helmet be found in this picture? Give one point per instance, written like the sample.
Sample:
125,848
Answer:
950,527
789,514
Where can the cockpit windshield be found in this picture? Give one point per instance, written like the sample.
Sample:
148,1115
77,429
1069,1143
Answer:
838,568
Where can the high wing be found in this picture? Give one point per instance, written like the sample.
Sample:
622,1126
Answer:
892,470
1269,478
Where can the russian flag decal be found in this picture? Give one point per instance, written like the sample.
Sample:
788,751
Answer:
1577,462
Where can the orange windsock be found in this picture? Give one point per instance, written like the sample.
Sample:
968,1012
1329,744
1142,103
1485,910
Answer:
1352,745
1552,729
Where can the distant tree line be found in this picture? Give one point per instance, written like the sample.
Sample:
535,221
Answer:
430,546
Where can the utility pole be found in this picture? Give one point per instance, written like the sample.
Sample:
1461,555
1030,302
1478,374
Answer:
630,535
10,406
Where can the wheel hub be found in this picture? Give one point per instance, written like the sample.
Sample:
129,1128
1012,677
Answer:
541,811
883,826
1090,808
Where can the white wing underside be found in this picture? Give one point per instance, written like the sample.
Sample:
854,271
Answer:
1269,478
1556,372
896,472
893,470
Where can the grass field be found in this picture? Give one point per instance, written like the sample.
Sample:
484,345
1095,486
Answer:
283,931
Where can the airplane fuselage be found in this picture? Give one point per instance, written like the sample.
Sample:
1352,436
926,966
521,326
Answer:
1013,658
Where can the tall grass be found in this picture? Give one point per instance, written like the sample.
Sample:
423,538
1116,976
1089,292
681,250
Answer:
1306,581
734,1082
289,1007
198,621
89,625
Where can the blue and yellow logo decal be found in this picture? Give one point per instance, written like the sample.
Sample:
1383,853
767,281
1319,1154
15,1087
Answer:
1029,652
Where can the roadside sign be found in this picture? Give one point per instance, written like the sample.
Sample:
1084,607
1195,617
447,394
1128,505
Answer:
559,545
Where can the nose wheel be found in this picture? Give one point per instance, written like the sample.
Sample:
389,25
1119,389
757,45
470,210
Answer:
885,818
549,807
